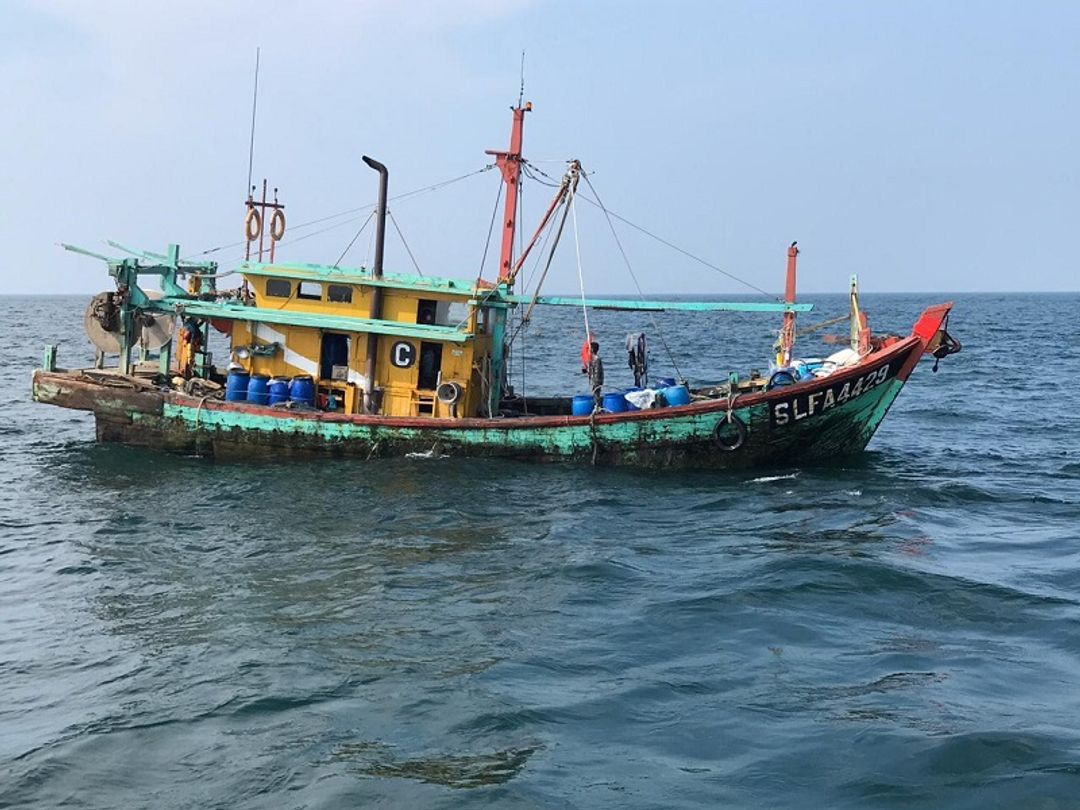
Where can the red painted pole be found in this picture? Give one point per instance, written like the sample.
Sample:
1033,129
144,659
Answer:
509,164
787,332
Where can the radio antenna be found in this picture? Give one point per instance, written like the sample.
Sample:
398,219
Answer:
254,104
521,92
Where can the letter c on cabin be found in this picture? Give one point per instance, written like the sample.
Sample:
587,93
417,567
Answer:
402,354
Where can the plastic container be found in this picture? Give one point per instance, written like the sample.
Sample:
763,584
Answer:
665,382
236,385
676,395
302,390
614,402
630,406
780,378
277,391
582,405
258,392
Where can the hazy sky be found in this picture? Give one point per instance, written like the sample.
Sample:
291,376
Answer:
927,146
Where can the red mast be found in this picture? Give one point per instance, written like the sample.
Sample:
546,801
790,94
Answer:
787,332
509,164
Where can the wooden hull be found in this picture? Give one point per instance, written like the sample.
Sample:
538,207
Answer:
810,422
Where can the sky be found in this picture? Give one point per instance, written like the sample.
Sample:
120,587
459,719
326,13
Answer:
925,146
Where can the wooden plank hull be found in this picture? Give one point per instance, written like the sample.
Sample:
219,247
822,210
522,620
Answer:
813,421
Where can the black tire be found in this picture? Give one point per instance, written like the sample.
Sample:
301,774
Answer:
722,434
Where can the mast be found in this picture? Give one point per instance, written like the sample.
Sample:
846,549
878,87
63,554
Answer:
787,331
509,164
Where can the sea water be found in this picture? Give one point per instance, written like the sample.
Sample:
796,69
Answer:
897,629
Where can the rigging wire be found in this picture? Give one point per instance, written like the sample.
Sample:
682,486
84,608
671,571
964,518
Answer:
349,212
254,103
351,241
408,250
661,240
633,275
491,230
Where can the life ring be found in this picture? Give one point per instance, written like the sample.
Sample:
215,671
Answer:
727,443
277,225
252,224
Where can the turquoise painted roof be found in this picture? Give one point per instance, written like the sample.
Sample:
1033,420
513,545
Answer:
359,275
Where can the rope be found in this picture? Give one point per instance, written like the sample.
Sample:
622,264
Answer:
633,275
581,276
390,214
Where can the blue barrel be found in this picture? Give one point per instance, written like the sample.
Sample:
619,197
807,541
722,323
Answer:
676,395
630,406
257,390
302,389
614,402
277,391
236,385
582,405
665,382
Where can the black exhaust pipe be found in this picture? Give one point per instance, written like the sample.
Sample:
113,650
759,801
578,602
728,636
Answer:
376,294
380,216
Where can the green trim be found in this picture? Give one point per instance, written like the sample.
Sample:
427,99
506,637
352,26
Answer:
661,306
359,276
288,317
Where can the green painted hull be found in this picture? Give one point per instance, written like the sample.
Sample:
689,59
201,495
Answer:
814,421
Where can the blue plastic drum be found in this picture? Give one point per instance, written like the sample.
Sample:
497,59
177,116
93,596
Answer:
277,391
665,382
302,390
614,402
630,406
236,385
676,395
582,405
258,392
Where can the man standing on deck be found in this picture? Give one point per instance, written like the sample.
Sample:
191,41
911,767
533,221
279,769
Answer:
595,370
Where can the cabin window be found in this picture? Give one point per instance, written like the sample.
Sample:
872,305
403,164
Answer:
457,314
310,290
427,311
339,293
278,288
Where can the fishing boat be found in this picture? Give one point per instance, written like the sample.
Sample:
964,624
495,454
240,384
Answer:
362,363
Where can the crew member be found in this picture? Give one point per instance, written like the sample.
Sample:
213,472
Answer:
595,369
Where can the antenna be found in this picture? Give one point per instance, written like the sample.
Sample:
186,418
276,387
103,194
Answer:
521,92
254,104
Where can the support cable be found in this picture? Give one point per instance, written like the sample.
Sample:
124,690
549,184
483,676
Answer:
408,250
661,240
355,237
349,212
491,230
633,275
